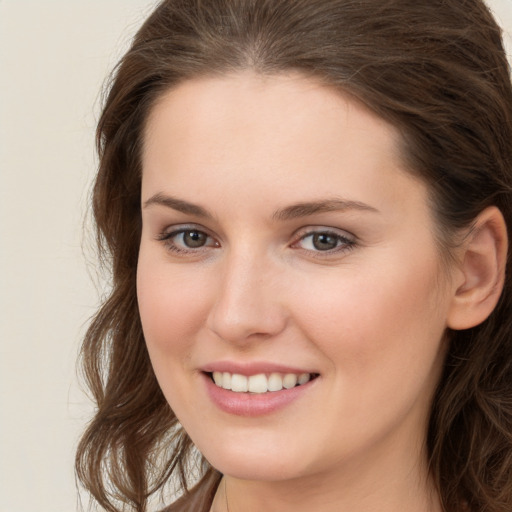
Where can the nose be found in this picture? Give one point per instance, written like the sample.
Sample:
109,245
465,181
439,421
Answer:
247,302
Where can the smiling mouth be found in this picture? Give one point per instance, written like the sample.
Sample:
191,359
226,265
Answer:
260,383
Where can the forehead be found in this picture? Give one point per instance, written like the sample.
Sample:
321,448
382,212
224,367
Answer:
284,136
246,101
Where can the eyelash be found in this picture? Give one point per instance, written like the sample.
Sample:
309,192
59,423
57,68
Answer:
167,239
343,243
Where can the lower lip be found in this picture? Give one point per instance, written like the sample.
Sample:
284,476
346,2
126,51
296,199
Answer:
254,404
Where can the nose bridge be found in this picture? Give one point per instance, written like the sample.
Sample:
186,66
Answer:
247,298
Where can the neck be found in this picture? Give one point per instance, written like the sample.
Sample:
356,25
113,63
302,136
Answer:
355,487
244,496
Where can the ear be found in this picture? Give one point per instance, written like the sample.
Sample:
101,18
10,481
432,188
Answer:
482,271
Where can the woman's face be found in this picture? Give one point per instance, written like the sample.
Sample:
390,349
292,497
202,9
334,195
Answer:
283,237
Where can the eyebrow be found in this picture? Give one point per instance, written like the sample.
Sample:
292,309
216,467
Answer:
306,209
179,205
294,211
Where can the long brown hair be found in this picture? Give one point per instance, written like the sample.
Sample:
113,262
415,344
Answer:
435,69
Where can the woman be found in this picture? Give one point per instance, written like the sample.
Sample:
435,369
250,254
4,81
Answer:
306,206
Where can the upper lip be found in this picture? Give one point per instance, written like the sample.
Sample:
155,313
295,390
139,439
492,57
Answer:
252,368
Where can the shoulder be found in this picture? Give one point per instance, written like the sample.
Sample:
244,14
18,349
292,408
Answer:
200,497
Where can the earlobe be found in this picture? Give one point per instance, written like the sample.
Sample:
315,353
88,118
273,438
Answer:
483,261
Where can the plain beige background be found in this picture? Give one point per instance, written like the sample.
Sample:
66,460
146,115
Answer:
54,56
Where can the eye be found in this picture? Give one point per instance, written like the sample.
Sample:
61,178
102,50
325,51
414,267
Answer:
185,240
191,238
325,241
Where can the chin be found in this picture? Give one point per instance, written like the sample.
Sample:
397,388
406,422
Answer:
256,470
247,462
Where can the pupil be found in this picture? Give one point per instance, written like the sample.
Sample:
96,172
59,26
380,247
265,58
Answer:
324,241
194,238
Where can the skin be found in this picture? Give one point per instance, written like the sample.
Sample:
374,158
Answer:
368,316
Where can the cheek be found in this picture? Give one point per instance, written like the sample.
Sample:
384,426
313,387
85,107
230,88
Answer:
383,318
172,310
172,305
381,333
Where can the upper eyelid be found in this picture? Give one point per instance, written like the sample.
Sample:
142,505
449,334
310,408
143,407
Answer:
311,230
175,228
166,236
180,228
346,240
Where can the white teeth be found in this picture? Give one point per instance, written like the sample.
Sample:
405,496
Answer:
226,380
303,378
259,383
290,380
239,383
275,382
